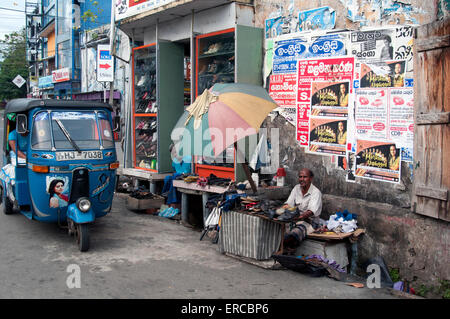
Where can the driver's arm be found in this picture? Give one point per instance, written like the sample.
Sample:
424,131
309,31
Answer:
12,144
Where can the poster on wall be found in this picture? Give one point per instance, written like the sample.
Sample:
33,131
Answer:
289,113
323,18
287,53
315,70
401,118
330,98
268,61
371,114
378,161
385,114
385,44
328,136
326,45
375,44
273,27
383,74
282,89
376,67
351,165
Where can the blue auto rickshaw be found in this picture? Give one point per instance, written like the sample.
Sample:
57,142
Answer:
64,166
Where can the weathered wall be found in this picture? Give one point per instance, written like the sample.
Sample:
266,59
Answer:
417,245
372,12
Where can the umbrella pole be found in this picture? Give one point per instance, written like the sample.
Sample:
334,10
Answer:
246,169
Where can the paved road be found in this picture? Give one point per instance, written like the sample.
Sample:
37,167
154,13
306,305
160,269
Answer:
142,256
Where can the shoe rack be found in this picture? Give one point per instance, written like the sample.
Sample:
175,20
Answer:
215,63
158,85
227,56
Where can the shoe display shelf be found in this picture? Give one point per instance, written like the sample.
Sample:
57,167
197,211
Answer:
228,56
158,102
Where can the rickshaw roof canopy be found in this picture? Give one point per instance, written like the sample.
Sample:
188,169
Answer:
25,104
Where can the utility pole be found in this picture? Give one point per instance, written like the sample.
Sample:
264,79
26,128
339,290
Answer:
111,49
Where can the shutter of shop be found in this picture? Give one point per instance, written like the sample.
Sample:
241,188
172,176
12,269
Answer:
431,184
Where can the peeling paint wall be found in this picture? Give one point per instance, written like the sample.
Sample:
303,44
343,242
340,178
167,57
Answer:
443,9
417,245
353,14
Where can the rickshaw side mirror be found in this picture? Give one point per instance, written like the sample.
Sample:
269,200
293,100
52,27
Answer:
22,125
116,124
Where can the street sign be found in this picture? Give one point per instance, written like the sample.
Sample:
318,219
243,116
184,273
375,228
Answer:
105,64
19,81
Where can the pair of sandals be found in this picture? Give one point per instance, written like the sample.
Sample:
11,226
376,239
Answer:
169,212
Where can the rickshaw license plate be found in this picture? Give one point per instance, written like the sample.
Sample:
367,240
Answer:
84,155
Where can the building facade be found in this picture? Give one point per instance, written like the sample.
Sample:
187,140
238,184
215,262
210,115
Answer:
57,63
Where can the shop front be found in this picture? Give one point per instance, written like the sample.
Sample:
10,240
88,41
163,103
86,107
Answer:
180,49
46,87
64,84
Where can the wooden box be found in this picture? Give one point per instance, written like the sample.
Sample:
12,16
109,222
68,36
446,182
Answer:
143,204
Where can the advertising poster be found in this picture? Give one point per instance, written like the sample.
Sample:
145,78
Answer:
351,165
287,53
327,136
328,45
378,161
330,98
323,18
387,44
401,117
385,114
403,50
407,154
289,113
273,27
371,114
383,74
282,89
268,61
374,45
315,70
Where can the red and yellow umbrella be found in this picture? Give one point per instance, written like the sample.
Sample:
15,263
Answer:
220,117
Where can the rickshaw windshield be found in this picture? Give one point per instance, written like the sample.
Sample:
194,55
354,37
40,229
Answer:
70,130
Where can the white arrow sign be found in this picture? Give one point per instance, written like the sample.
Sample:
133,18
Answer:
19,81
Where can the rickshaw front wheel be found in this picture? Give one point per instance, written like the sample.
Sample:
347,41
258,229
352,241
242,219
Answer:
8,206
83,236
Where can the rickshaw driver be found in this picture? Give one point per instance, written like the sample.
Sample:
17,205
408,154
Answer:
14,140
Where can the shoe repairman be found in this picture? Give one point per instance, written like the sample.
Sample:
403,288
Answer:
307,198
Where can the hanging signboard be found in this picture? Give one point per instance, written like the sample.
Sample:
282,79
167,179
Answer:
105,64
61,75
125,8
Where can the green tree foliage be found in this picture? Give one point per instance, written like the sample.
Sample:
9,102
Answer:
13,62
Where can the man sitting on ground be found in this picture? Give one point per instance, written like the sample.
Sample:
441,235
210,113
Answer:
308,199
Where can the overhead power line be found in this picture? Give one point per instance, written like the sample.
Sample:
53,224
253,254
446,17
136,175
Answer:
2,8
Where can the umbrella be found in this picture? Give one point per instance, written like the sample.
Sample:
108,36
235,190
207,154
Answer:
220,117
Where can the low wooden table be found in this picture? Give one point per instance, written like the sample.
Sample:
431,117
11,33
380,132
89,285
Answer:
141,174
194,189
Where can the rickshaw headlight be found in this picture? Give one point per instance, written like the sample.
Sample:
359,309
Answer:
83,204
